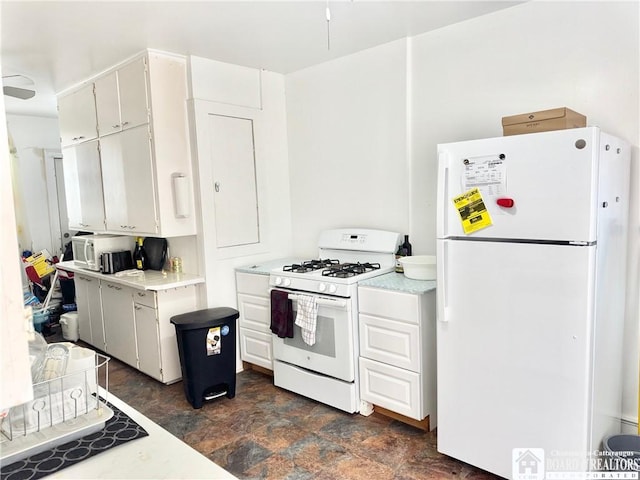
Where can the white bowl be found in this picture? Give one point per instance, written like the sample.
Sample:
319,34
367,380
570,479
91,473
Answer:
419,267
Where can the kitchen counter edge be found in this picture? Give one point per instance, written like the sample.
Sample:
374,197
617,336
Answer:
150,457
151,280
399,283
264,268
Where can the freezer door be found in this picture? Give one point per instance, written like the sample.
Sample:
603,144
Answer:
514,333
539,186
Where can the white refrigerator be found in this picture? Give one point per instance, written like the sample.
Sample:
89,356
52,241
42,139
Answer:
531,242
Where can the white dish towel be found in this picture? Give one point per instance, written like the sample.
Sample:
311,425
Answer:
307,317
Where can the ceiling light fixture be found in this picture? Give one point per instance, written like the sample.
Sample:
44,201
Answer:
14,86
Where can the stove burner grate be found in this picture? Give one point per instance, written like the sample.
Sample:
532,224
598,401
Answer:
344,270
310,265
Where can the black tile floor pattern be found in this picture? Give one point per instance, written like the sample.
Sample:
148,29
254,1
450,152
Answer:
266,432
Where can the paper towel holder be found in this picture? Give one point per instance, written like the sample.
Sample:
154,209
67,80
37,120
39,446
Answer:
180,184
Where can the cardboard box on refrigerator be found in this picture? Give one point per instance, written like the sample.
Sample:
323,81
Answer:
543,121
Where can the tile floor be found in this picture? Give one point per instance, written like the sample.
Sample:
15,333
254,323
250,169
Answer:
269,433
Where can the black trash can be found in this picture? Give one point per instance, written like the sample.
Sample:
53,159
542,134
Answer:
625,450
207,348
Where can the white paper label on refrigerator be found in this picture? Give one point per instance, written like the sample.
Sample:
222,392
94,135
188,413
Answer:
487,173
214,341
473,212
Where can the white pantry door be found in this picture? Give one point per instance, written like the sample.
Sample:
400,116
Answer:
234,180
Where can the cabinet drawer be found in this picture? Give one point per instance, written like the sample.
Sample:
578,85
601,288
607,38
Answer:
145,297
255,312
253,284
386,303
389,341
392,388
255,347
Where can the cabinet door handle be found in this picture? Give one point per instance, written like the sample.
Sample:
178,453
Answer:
137,307
80,137
216,187
115,126
124,124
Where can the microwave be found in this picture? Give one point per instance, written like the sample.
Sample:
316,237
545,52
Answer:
88,249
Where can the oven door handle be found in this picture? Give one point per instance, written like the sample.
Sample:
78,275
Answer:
324,301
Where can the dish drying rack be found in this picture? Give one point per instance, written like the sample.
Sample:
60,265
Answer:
66,404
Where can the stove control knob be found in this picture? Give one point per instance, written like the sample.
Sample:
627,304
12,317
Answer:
287,282
332,288
322,287
278,281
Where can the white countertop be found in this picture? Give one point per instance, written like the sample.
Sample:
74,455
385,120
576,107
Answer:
158,456
149,280
265,267
398,282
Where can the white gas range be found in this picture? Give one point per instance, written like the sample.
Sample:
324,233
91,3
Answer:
327,370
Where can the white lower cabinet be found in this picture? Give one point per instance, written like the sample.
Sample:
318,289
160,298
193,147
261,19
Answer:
119,326
256,348
134,325
148,340
255,319
398,351
89,304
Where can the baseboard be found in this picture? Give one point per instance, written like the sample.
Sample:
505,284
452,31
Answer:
421,424
256,368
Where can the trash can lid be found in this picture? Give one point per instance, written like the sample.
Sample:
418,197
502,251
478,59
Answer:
209,317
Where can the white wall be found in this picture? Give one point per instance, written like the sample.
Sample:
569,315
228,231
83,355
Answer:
31,137
347,128
260,96
539,55
34,132
353,122
15,375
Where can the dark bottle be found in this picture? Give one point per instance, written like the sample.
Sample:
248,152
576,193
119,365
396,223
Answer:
407,246
140,256
404,250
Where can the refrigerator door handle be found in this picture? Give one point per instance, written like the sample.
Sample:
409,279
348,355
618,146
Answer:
442,214
442,309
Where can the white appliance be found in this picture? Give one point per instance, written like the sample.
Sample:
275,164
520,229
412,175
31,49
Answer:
88,249
530,308
327,371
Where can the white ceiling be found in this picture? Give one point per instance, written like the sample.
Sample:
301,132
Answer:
59,44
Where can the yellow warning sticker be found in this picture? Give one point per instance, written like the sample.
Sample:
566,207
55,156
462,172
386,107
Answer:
472,210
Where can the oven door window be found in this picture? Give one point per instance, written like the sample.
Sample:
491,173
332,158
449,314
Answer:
333,352
325,335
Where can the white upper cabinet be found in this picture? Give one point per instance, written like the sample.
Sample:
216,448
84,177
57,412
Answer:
83,181
77,116
145,163
127,173
108,104
132,87
121,98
